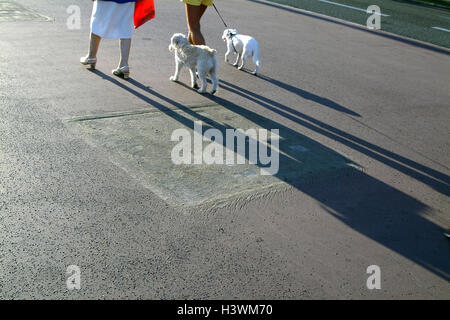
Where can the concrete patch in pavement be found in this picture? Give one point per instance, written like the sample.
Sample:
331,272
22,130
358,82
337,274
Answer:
140,143
12,11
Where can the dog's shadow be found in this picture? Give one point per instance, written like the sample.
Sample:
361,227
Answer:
295,90
195,88
299,92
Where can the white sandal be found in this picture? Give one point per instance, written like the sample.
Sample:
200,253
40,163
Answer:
88,61
123,72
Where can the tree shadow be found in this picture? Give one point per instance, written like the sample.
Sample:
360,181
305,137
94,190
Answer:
366,204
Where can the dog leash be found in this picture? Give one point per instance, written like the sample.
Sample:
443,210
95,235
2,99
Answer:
231,35
226,27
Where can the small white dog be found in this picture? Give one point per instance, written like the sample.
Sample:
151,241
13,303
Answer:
244,46
197,58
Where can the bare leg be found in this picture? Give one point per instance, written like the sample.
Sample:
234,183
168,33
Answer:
125,46
91,58
193,16
94,43
123,70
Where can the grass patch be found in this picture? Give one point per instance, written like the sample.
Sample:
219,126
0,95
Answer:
442,3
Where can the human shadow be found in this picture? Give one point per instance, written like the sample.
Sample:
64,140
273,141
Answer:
376,210
289,156
366,204
433,178
390,36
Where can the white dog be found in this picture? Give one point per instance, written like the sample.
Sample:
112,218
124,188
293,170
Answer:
200,58
244,46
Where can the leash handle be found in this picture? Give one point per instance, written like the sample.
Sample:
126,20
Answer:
220,16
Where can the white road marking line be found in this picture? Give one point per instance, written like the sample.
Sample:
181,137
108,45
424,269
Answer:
442,29
351,7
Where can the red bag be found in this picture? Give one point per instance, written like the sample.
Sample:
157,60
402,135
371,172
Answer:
144,10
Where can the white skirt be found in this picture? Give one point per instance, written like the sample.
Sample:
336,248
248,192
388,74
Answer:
112,20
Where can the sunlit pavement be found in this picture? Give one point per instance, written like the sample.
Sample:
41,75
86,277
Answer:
85,177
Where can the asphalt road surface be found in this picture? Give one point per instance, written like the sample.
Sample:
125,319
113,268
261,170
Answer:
82,172
407,18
